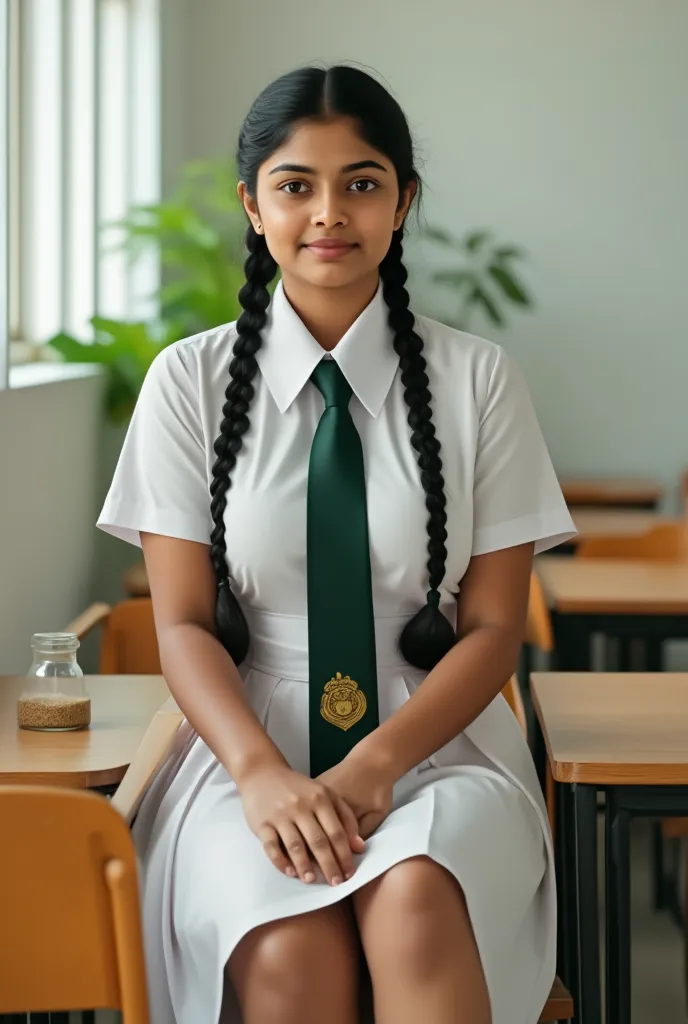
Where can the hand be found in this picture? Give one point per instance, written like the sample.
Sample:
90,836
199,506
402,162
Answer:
364,786
295,818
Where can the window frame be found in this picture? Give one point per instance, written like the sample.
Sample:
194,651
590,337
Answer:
138,96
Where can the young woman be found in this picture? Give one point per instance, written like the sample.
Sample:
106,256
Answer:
338,504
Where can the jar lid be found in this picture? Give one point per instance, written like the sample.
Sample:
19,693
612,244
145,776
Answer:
54,642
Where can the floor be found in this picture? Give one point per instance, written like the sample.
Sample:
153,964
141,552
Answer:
657,951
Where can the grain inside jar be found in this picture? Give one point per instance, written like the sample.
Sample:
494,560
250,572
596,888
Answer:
56,712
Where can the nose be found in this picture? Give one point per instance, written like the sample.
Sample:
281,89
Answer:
329,212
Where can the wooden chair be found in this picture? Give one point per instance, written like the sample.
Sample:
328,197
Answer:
129,644
559,1006
71,930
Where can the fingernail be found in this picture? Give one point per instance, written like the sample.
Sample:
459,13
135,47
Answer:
349,875
337,880
291,872
309,877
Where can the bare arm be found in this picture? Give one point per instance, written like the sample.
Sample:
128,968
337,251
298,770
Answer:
201,676
492,609
298,820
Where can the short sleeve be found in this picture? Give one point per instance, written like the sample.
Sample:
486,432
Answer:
516,494
161,483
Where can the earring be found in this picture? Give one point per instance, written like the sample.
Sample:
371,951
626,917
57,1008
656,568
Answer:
259,227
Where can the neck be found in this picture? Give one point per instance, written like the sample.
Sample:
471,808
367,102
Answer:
328,313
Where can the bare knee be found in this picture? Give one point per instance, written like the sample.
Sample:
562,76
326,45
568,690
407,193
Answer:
289,961
411,912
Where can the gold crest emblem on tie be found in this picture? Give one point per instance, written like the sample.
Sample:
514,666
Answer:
343,704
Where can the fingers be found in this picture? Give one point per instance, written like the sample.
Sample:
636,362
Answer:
275,852
320,846
295,845
348,819
333,828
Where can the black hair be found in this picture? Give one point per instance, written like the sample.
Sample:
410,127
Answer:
308,94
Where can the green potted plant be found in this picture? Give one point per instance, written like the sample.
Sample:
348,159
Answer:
485,278
198,233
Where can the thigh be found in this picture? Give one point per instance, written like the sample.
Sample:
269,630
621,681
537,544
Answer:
300,956
410,914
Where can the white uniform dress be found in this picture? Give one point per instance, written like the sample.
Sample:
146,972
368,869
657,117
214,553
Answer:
475,806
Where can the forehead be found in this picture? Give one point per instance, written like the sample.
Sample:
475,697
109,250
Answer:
325,144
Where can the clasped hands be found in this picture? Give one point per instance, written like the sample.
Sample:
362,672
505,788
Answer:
308,824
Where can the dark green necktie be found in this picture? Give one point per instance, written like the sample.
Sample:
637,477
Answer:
341,628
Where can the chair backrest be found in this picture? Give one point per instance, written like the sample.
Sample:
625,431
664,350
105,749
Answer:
129,644
513,697
666,542
153,749
71,931
538,621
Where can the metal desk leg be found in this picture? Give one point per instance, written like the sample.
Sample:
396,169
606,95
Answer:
618,912
572,636
588,999
566,887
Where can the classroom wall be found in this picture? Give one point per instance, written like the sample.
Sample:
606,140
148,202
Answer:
49,457
557,124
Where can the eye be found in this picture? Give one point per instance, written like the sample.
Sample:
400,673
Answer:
293,188
361,185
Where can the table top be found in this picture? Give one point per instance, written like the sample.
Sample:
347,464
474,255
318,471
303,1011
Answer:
610,586
611,491
614,728
121,710
607,522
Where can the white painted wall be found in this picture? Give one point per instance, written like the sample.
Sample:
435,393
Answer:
49,455
562,126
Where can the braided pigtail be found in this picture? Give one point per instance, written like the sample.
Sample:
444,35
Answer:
428,636
260,268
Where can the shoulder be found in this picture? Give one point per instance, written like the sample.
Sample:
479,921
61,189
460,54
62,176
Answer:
191,363
458,358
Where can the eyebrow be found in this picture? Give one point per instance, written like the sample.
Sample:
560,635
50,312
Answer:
303,169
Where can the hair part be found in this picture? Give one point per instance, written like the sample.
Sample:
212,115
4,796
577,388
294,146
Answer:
308,94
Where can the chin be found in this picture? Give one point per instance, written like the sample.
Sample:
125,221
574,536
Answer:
336,275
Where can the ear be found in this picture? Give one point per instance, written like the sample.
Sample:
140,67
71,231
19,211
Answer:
405,200
251,206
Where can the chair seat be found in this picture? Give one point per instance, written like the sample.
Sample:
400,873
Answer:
559,1006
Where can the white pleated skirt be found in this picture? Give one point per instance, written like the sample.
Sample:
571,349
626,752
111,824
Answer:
475,808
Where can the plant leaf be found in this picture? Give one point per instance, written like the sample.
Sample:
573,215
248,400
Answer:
476,240
74,351
508,284
508,252
480,297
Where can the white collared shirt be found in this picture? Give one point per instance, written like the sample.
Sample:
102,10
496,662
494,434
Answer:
500,485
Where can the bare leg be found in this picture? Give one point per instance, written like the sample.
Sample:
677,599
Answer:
420,948
301,970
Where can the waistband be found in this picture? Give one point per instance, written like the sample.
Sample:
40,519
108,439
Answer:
279,643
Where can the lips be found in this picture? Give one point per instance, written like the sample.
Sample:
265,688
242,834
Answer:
329,248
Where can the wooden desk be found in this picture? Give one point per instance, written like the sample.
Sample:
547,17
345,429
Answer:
612,491
122,708
626,600
613,586
627,735
608,522
614,728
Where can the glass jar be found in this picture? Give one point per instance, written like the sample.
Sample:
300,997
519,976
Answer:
54,697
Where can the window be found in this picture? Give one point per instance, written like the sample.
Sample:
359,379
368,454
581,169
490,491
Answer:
79,145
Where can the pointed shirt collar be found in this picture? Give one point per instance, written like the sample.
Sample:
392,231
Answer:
289,353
